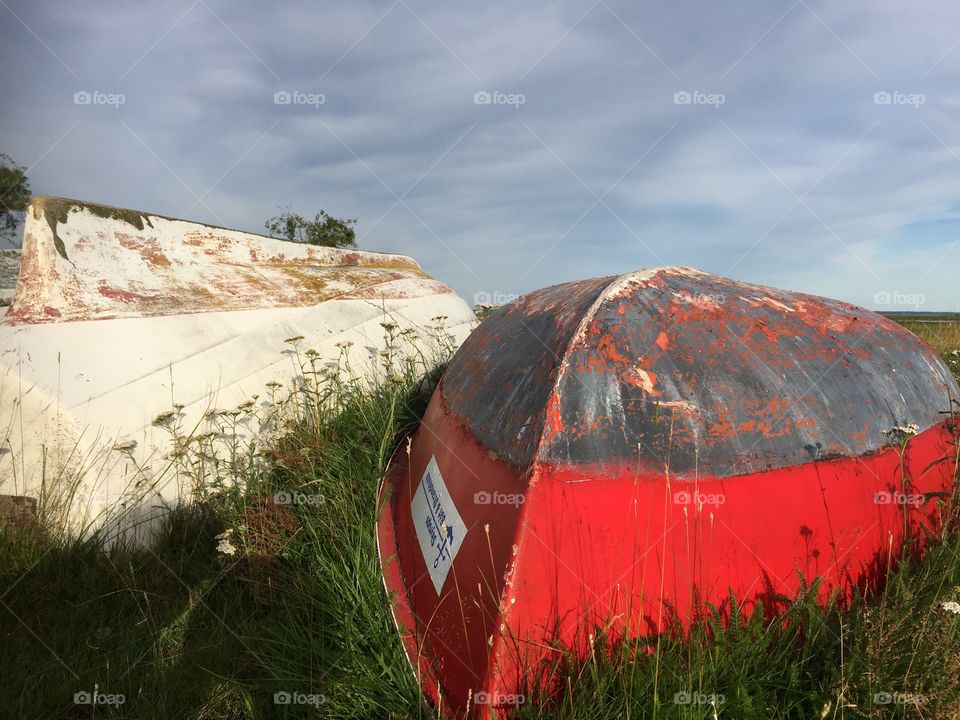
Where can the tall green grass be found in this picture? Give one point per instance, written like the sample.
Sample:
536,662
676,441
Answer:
241,600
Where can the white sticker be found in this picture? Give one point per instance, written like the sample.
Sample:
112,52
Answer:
440,528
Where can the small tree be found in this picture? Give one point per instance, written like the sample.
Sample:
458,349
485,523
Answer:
14,196
323,230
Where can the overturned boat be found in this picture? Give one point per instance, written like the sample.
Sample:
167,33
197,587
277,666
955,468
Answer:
613,454
131,335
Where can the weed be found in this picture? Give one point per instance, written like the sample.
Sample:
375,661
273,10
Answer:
295,619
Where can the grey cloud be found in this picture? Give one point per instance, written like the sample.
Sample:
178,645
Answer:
504,198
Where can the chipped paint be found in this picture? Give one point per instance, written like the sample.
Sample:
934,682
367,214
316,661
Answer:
646,381
95,262
679,439
764,300
150,311
672,335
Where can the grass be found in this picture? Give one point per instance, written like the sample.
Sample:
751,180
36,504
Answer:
293,602
813,663
944,337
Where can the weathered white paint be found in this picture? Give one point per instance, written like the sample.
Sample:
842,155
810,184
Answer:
121,324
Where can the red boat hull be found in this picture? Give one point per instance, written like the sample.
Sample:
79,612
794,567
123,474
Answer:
632,554
516,522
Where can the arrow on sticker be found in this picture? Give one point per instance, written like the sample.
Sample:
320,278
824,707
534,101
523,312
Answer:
449,534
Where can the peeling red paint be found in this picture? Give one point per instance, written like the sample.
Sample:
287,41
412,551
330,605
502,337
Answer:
149,250
122,295
637,417
181,268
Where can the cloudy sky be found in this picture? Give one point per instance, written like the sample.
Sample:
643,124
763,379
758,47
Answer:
808,145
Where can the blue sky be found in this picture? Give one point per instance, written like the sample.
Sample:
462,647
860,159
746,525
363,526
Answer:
806,145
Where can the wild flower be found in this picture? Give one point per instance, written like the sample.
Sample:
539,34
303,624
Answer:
224,546
951,606
904,430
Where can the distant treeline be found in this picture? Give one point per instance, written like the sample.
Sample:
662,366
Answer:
921,316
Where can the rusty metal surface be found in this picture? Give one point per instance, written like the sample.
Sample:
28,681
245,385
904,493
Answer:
679,368
501,380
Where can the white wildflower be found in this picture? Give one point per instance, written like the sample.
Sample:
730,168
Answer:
224,546
951,606
903,430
